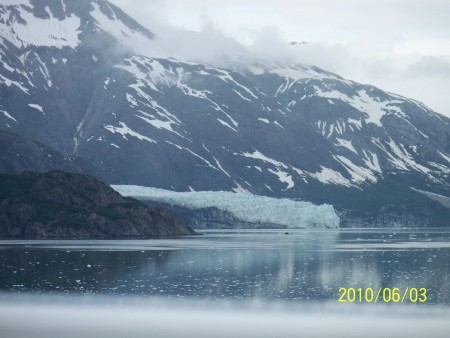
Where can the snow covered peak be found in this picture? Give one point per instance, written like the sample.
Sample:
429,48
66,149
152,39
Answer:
297,43
114,22
64,23
300,72
292,72
23,24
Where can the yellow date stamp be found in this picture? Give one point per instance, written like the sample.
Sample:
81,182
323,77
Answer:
385,295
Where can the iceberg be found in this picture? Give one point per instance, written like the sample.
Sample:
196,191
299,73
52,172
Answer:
243,205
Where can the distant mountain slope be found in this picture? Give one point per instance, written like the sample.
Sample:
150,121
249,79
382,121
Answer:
273,129
18,154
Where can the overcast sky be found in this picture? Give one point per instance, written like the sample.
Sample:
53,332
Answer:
401,46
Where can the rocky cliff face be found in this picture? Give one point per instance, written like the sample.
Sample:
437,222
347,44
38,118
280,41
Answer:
60,205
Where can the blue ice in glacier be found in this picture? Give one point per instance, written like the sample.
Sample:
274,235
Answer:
243,205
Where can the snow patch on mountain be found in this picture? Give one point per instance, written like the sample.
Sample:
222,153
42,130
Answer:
37,107
358,174
222,122
330,176
301,72
260,156
124,130
240,95
371,161
245,206
150,77
443,200
158,123
8,115
194,154
446,157
399,157
373,107
346,144
283,177
227,77
406,158
15,2
7,67
30,30
356,123
10,83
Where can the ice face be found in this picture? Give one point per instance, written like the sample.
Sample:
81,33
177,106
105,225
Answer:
245,206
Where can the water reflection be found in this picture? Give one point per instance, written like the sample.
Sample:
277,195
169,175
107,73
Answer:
298,266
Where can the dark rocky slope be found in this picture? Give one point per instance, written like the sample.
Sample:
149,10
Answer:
58,204
18,154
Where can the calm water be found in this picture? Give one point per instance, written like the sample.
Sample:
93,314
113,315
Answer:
225,284
298,267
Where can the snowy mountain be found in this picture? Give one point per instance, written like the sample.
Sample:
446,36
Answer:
69,79
52,54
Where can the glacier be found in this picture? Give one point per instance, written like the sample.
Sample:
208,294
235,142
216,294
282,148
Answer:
244,206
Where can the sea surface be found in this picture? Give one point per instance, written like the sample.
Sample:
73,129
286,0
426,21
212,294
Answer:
337,274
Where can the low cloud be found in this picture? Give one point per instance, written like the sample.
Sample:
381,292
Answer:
360,49
207,45
430,66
